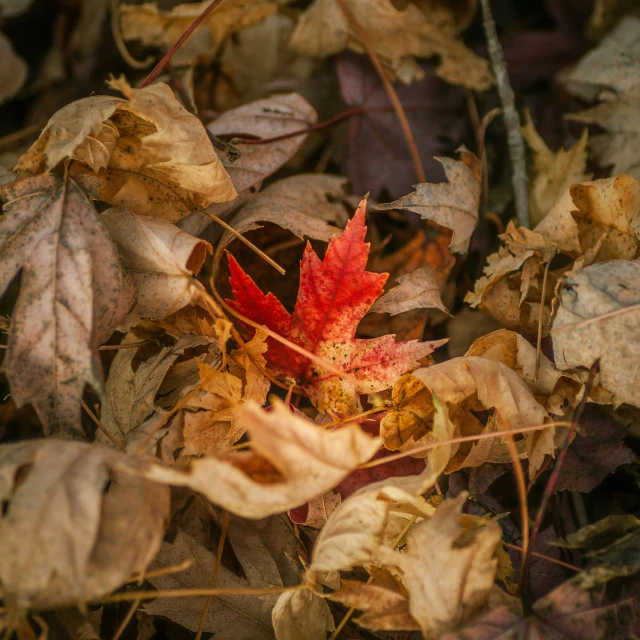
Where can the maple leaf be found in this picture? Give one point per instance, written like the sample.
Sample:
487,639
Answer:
334,295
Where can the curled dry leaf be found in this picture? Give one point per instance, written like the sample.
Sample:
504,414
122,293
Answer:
73,293
13,70
453,204
448,579
396,35
334,295
77,522
598,317
467,386
162,260
292,461
301,615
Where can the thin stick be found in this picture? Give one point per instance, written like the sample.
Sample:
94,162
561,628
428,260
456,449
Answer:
479,436
16,136
127,619
164,571
511,118
551,483
604,316
543,557
391,92
97,422
121,46
157,70
214,575
240,237
540,317
129,345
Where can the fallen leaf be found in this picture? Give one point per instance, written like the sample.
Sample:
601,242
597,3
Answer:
333,297
73,293
317,511
598,317
302,615
12,8
230,617
163,261
292,461
454,204
13,71
78,521
433,552
553,173
397,35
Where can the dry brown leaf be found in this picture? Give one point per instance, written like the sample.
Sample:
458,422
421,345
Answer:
74,131
162,29
230,617
292,461
467,385
417,290
163,163
553,173
78,521
320,508
598,317
396,35
301,615
448,582
73,293
452,204
162,260
13,70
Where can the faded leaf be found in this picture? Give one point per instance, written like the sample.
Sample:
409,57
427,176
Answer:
73,293
163,261
447,582
13,70
598,317
78,522
292,461
453,204
12,8
316,513
230,617
397,35
302,615
334,295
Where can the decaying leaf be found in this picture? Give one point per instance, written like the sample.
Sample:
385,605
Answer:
13,70
292,461
396,34
77,522
454,204
302,615
598,317
162,260
73,293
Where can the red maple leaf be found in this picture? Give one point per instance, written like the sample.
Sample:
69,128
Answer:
334,295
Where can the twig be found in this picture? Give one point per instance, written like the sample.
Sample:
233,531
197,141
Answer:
543,295
551,483
566,565
126,620
157,70
121,46
214,575
511,118
97,422
17,136
391,92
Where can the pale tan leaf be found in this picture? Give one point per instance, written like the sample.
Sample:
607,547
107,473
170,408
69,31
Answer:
320,508
417,290
13,70
396,34
73,293
230,617
78,522
302,615
452,204
598,317
163,163
162,260
292,461
447,581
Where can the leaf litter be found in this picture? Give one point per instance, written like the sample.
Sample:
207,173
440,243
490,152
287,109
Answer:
343,448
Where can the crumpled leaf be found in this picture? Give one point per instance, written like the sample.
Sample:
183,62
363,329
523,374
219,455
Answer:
301,615
292,461
230,617
447,581
333,297
396,35
598,317
77,522
162,260
553,173
467,385
73,293
13,70
454,204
